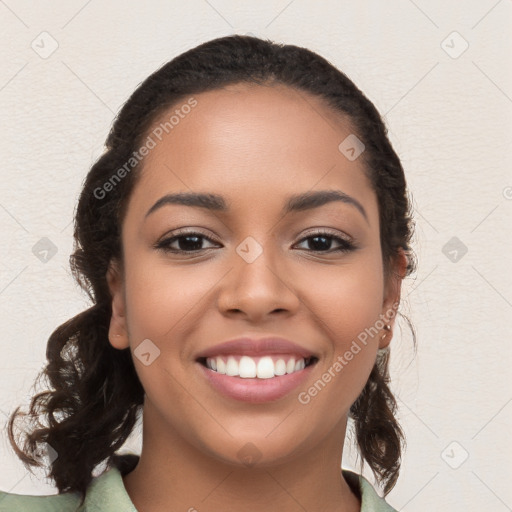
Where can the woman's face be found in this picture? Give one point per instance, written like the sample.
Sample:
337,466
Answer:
251,270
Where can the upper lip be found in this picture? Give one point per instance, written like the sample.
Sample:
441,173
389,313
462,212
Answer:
256,347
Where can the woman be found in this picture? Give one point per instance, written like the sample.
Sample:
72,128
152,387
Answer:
243,240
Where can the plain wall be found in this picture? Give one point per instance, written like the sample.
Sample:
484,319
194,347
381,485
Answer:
449,117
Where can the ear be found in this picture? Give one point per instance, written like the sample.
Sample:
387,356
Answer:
117,332
392,290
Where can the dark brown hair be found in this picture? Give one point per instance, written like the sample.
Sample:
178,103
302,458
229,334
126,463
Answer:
95,395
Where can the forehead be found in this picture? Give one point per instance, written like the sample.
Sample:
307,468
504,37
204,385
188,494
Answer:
263,141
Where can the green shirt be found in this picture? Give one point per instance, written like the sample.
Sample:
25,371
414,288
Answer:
107,493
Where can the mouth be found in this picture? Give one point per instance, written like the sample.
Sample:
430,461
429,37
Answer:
256,370
256,380
262,367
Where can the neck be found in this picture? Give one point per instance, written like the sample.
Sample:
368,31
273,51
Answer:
173,475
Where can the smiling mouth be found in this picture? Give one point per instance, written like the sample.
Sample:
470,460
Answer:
263,367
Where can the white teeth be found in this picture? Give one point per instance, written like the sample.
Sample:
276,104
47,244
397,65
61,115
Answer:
280,367
248,368
265,368
221,365
232,367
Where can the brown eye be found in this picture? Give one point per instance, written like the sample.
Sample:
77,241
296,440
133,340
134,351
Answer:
183,243
323,241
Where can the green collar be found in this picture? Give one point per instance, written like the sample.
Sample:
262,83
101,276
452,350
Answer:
107,493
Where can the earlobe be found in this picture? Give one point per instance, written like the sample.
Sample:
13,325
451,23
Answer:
392,297
117,332
385,339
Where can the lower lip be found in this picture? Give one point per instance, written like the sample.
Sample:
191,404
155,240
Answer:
256,390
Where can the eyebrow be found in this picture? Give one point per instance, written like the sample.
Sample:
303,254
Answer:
295,203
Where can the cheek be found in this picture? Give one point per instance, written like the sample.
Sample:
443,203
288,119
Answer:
347,307
159,297
348,300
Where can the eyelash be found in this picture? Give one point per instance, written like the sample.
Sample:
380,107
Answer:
345,245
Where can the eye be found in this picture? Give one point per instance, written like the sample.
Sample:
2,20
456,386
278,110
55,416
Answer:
184,242
192,242
321,241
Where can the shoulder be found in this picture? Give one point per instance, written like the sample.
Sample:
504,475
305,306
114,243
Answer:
10,502
106,493
370,500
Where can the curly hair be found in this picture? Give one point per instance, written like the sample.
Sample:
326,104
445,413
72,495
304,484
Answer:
95,395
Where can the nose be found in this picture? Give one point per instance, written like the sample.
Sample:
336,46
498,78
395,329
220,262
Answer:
258,289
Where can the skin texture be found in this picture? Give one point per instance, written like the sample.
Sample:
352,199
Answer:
254,145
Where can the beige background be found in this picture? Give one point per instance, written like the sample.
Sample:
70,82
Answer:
448,109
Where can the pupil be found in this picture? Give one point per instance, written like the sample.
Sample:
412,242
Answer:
326,243
193,246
